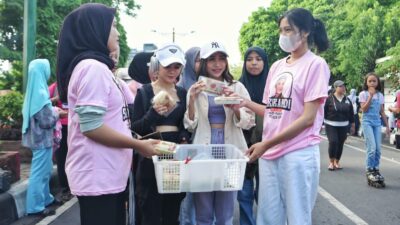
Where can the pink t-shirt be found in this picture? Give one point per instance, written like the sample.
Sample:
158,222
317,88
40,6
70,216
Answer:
92,168
288,87
52,92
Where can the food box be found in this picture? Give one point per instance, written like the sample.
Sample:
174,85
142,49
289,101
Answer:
226,100
212,85
166,147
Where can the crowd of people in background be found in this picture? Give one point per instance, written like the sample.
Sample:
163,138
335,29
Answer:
104,111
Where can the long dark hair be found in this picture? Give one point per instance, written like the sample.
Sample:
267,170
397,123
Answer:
226,74
365,85
304,20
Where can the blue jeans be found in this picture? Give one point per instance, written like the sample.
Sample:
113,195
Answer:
214,207
187,215
373,140
246,198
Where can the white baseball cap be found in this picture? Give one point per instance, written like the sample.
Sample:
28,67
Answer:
170,53
211,48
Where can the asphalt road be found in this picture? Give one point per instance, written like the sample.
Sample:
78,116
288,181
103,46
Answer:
344,197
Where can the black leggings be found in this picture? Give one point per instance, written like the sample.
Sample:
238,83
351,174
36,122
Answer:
336,138
103,210
61,155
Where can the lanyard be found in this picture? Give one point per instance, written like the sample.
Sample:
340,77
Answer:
125,109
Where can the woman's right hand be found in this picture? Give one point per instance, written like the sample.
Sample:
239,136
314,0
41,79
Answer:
196,89
61,113
160,109
147,147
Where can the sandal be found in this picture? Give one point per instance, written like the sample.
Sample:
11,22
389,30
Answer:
331,167
338,167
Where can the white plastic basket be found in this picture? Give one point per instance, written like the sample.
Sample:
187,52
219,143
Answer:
210,168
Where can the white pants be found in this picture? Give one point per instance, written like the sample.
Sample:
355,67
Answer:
288,188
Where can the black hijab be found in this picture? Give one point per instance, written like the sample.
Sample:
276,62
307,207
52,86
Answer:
84,35
138,69
255,84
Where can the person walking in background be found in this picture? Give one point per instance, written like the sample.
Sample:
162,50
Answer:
39,120
356,106
188,78
216,124
150,116
254,77
395,110
289,151
61,152
371,101
99,137
338,114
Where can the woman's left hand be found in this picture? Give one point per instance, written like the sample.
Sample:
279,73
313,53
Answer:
387,132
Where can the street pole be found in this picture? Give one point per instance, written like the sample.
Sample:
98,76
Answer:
29,50
173,35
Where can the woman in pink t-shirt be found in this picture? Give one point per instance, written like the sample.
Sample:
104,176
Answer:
99,137
289,162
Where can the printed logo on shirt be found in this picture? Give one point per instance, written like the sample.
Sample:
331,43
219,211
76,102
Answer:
280,95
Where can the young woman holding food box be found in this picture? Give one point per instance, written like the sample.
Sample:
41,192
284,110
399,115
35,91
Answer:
294,97
213,123
160,107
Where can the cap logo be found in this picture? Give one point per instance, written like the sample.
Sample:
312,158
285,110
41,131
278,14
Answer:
173,50
214,45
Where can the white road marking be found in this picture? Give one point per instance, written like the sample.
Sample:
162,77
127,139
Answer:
60,210
342,208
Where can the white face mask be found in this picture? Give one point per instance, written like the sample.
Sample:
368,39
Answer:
289,43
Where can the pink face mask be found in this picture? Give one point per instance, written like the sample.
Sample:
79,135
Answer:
289,43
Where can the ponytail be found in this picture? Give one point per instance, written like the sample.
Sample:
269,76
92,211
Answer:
320,37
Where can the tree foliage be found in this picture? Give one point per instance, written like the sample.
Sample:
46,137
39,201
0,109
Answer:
11,21
50,15
360,31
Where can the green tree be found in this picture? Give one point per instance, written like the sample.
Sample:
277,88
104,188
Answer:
12,79
50,15
236,71
391,67
11,20
360,31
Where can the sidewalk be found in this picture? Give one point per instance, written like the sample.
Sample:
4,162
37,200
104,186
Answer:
13,202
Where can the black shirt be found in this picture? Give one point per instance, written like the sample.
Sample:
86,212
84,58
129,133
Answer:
339,111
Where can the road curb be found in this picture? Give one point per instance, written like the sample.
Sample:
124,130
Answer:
13,201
